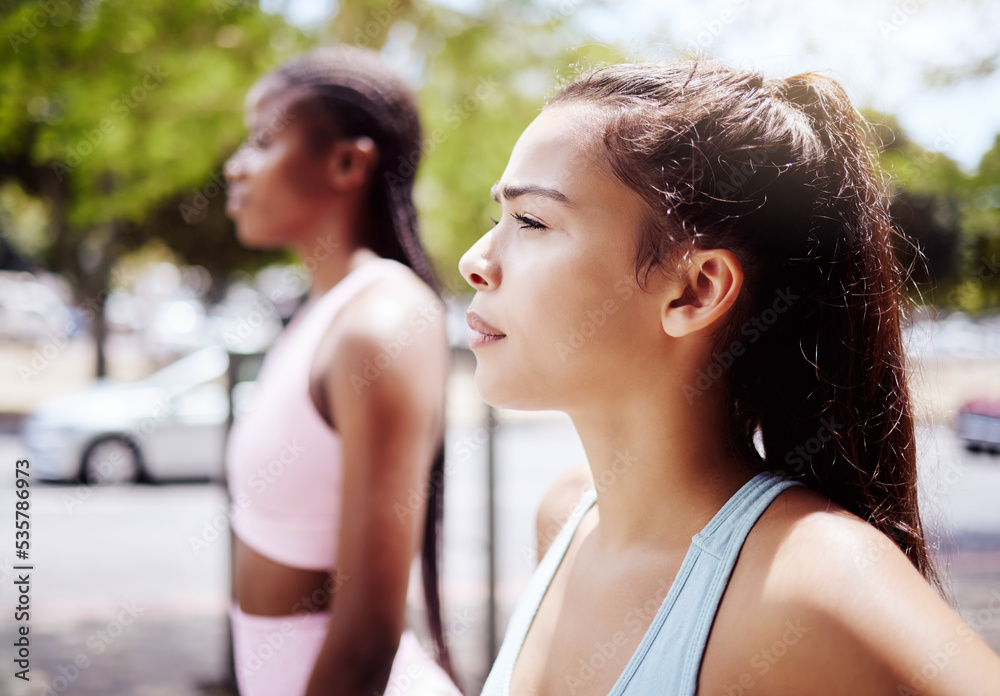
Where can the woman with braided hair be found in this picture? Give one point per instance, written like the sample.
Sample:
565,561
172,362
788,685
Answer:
336,474
696,265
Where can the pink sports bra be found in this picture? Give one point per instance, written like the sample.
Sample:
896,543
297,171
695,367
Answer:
283,461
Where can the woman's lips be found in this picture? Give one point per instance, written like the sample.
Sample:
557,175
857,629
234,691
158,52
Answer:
235,201
482,333
477,339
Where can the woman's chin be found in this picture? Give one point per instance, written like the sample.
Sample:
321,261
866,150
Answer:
252,238
491,390
244,235
503,393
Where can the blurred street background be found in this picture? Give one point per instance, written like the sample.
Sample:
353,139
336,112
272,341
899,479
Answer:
162,550
126,302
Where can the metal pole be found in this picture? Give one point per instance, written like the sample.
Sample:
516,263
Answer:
229,679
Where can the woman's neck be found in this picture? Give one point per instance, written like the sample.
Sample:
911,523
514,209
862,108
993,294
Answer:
327,273
331,249
661,466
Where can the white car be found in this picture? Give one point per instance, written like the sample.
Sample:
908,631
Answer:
171,425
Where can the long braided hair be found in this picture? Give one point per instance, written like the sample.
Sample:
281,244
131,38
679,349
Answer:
358,95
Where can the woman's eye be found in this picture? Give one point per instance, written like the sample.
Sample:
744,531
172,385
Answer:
528,223
258,141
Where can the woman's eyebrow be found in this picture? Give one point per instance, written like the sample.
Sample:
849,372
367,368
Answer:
511,192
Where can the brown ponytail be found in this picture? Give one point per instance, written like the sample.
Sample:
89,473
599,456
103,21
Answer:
778,171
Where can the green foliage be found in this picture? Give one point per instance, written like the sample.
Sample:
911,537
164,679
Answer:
953,217
979,289
126,103
116,113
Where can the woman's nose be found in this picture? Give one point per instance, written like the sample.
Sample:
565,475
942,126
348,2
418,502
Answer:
234,167
479,266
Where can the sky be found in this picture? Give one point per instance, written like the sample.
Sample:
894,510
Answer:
882,51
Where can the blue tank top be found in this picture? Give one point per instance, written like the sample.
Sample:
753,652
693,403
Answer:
668,658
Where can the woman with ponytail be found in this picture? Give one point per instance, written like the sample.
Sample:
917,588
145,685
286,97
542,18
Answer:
336,474
696,265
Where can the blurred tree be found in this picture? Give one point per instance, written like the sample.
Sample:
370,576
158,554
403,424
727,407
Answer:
952,217
111,109
11,259
979,288
926,192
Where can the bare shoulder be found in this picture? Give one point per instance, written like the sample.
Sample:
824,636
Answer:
397,306
558,504
388,340
821,597
823,556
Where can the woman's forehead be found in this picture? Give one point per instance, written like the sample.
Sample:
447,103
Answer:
578,122
264,97
559,149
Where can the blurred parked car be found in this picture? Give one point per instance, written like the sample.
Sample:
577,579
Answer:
978,424
170,425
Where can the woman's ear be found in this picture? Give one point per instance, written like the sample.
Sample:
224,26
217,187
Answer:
351,162
705,290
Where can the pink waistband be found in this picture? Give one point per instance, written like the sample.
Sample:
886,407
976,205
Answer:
274,656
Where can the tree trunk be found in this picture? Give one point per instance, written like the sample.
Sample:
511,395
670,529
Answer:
97,255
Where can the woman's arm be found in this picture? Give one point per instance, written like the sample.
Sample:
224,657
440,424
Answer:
390,424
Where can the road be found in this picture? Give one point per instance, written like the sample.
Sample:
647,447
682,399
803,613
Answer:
134,580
